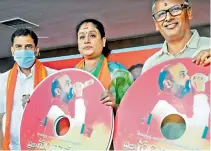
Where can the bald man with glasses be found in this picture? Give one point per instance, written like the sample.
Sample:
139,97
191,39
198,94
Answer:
172,20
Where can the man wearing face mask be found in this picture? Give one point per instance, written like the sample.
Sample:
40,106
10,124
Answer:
17,84
175,85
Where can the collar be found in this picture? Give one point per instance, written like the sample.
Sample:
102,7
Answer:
22,74
192,43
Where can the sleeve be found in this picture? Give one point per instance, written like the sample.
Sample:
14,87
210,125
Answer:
80,110
162,109
121,81
55,112
147,65
201,109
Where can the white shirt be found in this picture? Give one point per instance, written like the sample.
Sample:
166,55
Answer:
190,50
201,112
55,113
80,110
24,85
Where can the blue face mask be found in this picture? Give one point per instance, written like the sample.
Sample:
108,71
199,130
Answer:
68,96
24,58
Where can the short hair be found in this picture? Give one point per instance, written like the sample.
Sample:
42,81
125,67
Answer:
162,76
106,51
54,86
24,32
165,74
155,1
135,66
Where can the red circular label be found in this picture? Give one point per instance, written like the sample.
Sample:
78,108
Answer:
65,113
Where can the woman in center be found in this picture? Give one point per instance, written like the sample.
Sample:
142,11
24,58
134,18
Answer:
92,45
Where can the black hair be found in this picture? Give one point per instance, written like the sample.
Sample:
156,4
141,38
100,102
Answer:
54,85
106,51
24,32
135,66
162,76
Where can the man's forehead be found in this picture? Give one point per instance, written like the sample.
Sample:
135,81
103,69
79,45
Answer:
177,68
166,4
64,78
23,40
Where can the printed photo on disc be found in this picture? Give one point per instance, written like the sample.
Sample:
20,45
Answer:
167,108
65,112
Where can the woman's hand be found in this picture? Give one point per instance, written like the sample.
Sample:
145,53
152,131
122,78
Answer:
109,99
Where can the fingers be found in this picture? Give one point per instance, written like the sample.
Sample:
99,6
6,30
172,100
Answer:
25,99
207,61
202,58
108,99
105,100
104,95
197,58
28,98
109,104
198,83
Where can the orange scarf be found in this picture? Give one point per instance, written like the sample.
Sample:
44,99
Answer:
40,74
104,75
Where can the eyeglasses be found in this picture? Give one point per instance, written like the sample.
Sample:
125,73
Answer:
174,11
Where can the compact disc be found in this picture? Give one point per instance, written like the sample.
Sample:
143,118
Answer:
65,113
166,108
